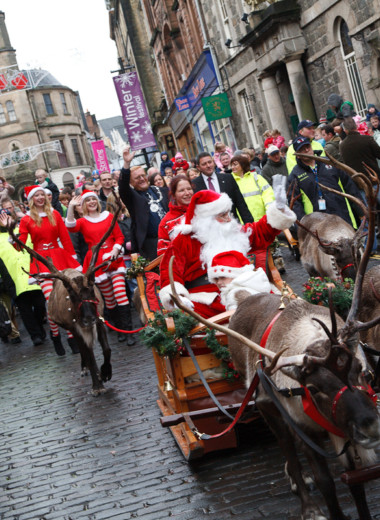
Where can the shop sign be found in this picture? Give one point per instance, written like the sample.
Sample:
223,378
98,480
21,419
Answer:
216,107
182,103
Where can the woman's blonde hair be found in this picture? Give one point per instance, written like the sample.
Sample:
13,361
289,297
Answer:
85,210
112,206
47,209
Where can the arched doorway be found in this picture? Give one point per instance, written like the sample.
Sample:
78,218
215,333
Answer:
68,180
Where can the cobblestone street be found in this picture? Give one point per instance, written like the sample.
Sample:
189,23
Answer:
67,455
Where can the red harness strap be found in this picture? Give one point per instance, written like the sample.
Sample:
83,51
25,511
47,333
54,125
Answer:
312,411
344,268
339,394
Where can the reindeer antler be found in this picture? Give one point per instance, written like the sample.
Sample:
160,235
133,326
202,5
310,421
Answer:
95,250
314,234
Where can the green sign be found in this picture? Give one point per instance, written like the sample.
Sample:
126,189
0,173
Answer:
216,107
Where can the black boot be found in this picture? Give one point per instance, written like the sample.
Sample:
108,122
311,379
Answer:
125,323
73,345
58,345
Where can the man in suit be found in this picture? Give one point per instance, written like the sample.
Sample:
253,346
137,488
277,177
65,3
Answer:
220,183
146,205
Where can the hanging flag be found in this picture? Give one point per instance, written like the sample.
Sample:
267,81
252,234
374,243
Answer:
216,107
134,111
100,156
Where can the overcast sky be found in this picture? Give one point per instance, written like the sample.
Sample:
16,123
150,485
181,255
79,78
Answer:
71,40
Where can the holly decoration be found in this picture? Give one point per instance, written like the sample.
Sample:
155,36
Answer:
168,344
317,291
137,268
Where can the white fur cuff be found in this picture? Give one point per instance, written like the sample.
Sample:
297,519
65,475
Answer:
280,219
166,292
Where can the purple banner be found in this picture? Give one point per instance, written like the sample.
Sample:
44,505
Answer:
133,109
100,156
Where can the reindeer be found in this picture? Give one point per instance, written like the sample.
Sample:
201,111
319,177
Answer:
327,245
326,363
76,304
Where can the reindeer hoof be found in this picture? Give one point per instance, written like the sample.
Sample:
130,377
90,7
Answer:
97,391
106,372
84,372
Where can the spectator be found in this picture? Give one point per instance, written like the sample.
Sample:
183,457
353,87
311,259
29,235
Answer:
283,151
372,111
106,188
278,139
225,161
374,123
165,162
306,176
255,163
8,205
192,173
332,142
64,199
210,180
342,108
305,128
219,149
180,162
43,180
319,136
7,296
6,190
275,165
146,204
168,176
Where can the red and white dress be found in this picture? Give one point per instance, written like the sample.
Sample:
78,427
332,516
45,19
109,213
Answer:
45,242
166,233
93,229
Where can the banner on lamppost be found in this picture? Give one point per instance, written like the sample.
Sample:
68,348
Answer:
100,156
134,111
216,107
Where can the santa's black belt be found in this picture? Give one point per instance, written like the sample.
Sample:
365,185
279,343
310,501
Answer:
202,280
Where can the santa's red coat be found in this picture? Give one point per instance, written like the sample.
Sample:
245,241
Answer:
187,265
45,242
93,230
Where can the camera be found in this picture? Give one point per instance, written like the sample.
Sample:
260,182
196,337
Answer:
5,211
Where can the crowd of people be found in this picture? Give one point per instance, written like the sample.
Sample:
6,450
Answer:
211,212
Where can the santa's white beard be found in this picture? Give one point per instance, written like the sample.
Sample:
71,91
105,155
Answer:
218,237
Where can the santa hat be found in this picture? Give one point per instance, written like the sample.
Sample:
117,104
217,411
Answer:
88,193
205,203
323,120
229,264
178,155
47,191
32,190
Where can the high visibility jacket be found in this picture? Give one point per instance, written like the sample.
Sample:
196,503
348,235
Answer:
291,160
306,185
256,191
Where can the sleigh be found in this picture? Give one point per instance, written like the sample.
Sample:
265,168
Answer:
182,398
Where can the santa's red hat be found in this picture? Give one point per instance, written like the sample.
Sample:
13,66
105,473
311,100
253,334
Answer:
32,190
229,264
205,203
88,193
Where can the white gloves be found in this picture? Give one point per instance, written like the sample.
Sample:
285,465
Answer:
279,191
112,255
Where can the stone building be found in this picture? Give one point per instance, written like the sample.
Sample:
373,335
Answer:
284,58
35,116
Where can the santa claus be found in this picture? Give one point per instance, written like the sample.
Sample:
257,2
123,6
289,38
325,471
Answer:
210,229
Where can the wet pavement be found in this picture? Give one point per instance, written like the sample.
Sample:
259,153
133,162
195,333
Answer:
68,455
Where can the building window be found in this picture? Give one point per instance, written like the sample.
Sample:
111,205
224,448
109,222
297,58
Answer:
62,157
354,79
2,115
63,101
247,110
78,158
225,19
48,104
11,111
222,131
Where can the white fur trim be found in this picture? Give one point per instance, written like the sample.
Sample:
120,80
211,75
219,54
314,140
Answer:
34,191
203,297
166,292
108,274
219,271
280,219
185,229
42,214
253,282
102,216
70,224
118,246
221,205
89,194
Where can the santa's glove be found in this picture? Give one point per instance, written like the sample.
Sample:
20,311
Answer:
113,254
186,302
279,191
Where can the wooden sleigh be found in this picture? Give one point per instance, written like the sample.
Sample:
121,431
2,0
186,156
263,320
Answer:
176,396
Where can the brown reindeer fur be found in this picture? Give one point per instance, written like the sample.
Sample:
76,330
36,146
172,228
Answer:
370,307
331,228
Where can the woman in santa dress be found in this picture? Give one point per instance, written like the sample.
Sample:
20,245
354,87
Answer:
46,227
180,193
111,279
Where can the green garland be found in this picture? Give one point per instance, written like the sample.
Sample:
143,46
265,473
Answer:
167,344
